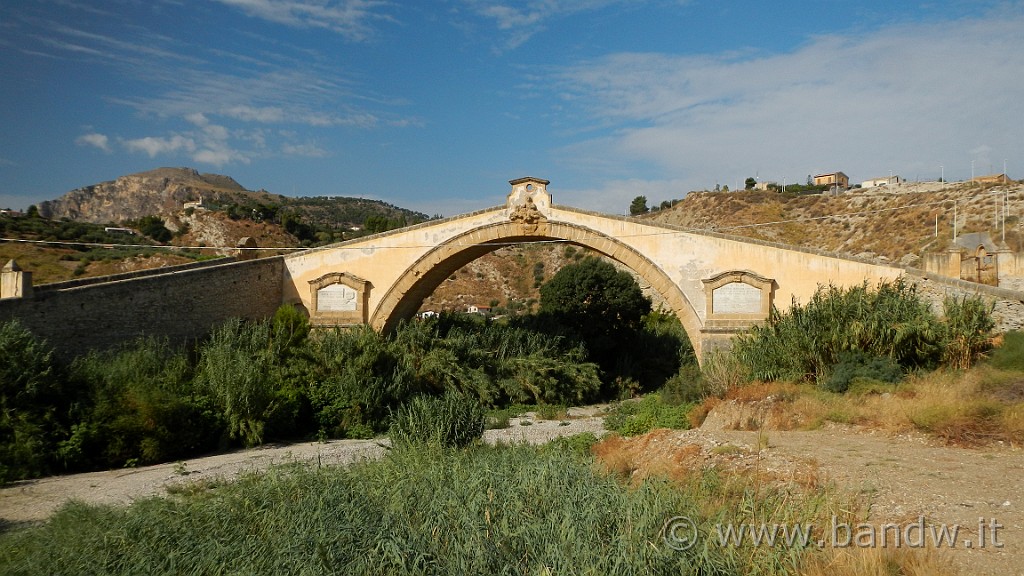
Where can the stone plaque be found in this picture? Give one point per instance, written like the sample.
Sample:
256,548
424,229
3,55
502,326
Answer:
336,298
736,298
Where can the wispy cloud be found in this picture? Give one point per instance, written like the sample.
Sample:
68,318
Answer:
94,139
351,18
866,104
154,146
519,21
308,150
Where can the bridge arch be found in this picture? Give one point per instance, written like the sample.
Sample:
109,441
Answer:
419,280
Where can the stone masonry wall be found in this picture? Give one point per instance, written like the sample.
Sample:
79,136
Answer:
182,305
1009,304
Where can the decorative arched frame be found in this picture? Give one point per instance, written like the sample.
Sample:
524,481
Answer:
737,299
339,299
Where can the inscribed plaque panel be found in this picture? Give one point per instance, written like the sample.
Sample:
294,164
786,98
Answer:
736,298
336,298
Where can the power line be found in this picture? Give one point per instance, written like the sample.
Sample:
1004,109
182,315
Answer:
418,246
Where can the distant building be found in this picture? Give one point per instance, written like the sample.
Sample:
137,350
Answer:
765,185
992,179
113,230
885,181
11,213
834,179
198,204
474,309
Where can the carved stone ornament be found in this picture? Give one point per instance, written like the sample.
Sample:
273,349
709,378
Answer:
528,216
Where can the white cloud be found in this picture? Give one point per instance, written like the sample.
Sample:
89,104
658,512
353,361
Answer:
154,146
98,140
907,99
350,18
308,150
219,156
197,118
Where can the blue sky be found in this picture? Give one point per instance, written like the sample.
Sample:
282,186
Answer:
435,104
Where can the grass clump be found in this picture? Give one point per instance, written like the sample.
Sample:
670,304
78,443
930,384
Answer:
634,417
453,420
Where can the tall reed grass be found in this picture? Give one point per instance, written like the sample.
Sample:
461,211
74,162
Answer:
505,510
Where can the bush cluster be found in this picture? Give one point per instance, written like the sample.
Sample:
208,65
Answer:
810,341
250,382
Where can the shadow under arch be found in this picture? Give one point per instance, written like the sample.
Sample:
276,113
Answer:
419,280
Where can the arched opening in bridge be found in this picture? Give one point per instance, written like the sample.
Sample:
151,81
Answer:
419,280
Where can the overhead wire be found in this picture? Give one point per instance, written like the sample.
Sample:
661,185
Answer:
417,246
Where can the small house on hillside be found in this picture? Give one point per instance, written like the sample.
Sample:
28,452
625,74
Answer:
474,309
993,179
884,181
833,179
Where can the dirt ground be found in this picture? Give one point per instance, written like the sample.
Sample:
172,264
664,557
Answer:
900,478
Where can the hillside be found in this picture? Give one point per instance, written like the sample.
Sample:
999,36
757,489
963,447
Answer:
219,213
164,192
896,223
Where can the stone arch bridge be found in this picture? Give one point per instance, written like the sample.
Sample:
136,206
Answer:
716,284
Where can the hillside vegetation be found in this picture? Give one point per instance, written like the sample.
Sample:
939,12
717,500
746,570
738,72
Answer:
896,223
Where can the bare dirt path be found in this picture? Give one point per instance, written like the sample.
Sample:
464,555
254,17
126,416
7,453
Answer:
901,478
904,478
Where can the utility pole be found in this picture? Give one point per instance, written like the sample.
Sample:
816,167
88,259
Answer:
954,220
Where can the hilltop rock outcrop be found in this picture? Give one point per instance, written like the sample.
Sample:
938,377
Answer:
162,191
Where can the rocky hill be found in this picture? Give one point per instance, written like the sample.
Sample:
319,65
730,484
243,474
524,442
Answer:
894,223
161,192
165,192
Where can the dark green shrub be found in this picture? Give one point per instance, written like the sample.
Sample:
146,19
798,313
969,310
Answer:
805,342
361,376
142,407
857,365
687,386
453,420
34,405
243,367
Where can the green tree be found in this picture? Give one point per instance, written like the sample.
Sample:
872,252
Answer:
638,206
603,306
749,183
154,227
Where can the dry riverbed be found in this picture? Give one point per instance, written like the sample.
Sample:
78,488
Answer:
900,478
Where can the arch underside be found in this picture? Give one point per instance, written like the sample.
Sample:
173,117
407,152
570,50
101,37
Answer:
420,280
